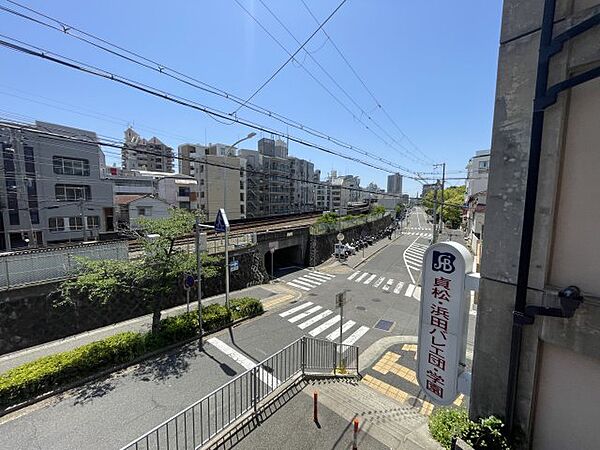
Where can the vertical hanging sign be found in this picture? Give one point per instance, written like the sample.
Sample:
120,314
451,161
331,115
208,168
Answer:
443,321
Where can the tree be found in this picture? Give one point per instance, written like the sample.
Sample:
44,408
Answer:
454,198
162,259
378,209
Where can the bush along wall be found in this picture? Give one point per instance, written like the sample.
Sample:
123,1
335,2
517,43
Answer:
51,372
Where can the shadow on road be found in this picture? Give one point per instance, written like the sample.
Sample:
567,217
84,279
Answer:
93,390
169,365
246,426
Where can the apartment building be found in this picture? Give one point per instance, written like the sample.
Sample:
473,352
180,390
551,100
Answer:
52,186
221,178
394,184
145,154
476,199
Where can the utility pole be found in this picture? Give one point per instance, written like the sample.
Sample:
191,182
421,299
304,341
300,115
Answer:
435,201
83,219
199,275
442,199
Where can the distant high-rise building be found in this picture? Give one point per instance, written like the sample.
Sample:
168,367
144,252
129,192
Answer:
394,184
270,147
145,154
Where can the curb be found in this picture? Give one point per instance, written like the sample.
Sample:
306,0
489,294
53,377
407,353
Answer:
116,368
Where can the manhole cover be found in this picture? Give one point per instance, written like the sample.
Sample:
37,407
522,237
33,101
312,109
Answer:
376,300
384,325
361,308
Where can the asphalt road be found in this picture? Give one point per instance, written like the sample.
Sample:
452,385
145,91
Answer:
109,413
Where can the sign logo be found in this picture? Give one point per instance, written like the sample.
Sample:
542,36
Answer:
443,262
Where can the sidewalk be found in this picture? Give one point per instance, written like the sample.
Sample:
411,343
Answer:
269,294
356,260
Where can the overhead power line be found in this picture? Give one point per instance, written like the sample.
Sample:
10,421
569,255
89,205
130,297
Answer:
331,78
114,143
268,80
31,50
427,159
198,84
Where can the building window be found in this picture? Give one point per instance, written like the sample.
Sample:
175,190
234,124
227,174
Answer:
242,209
201,181
76,223
71,166
184,191
72,192
184,205
202,194
241,184
93,221
56,224
144,211
12,200
241,196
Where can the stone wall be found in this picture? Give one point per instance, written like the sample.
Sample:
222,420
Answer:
321,246
33,318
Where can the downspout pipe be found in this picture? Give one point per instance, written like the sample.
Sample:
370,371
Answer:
535,149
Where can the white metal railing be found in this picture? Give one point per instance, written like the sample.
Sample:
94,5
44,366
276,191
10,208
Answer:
52,264
197,424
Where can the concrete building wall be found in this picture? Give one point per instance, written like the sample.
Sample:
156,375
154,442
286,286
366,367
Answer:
565,243
148,207
41,188
394,184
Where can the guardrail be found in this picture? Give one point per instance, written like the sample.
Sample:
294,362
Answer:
341,225
22,269
200,422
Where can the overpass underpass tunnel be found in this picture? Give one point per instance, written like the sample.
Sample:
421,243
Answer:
285,260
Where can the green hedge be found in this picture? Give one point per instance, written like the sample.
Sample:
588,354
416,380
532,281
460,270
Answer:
50,372
446,424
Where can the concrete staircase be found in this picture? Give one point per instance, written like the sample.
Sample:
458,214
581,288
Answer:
394,424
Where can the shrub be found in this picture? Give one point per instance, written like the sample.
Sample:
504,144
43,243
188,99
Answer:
246,307
447,424
48,373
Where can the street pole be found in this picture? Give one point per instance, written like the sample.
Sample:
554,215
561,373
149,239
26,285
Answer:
434,235
199,269
83,221
227,267
442,200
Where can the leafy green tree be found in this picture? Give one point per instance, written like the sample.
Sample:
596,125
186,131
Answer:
454,198
162,259
378,209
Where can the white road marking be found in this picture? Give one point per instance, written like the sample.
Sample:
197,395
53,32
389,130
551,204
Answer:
315,319
411,258
336,334
388,285
417,293
309,281
245,362
324,326
318,277
303,283
368,280
410,290
353,275
328,275
358,280
305,314
289,312
298,286
406,263
398,287
379,281
356,335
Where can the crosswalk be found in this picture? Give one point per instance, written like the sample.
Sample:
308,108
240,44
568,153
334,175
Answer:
386,284
413,257
417,233
322,322
310,280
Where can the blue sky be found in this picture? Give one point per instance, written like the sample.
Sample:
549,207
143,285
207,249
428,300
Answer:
431,64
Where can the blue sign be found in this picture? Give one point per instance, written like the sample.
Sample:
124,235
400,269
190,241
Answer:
234,265
221,222
189,281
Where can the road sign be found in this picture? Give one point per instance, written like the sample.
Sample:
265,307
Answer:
443,321
234,265
340,237
340,299
188,281
221,222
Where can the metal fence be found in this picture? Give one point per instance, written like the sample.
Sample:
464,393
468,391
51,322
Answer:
199,423
341,225
50,264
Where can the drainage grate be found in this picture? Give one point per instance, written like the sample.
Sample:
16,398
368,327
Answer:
384,325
